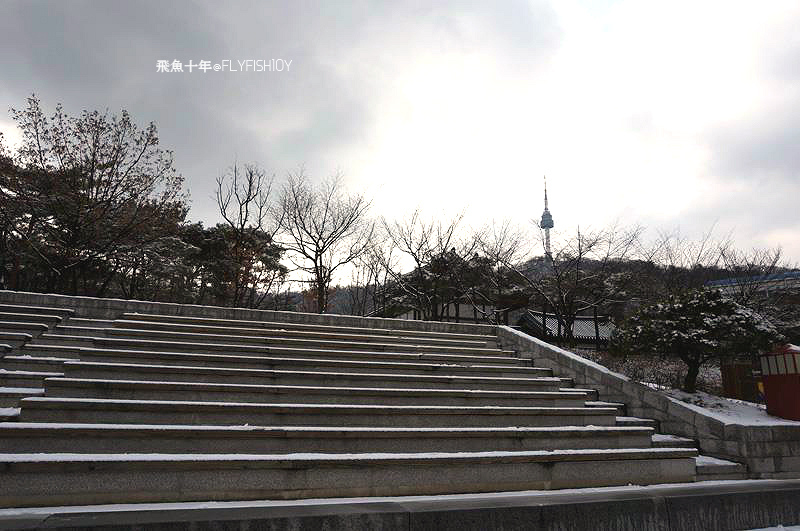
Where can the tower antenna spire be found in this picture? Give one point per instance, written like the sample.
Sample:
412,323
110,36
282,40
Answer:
547,222
545,192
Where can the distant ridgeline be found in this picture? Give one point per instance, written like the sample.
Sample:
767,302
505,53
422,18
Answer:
787,281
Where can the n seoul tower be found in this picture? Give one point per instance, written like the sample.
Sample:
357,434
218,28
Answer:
547,222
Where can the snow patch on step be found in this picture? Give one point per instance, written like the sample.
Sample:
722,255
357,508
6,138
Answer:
707,460
69,457
333,429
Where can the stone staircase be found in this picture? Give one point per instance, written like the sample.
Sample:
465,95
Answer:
158,408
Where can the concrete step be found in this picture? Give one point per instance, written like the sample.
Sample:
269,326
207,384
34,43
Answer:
485,356
12,378
14,339
29,479
9,414
4,348
71,351
635,421
289,363
81,331
600,403
713,469
210,392
65,340
293,342
22,437
398,337
11,396
46,319
23,326
672,441
89,322
98,411
49,351
237,323
592,394
35,310
186,373
33,363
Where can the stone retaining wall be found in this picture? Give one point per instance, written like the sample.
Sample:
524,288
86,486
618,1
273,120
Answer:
96,308
771,451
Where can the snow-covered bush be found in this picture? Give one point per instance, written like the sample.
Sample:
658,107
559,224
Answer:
696,327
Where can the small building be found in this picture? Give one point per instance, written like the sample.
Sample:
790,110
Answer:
586,329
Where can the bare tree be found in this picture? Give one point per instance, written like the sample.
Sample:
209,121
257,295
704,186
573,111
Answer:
681,263
750,274
82,191
584,271
758,279
367,293
245,203
437,253
499,244
325,228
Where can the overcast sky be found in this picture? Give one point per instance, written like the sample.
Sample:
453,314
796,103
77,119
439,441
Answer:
669,114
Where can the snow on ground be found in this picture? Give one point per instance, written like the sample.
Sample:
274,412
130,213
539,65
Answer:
708,460
665,437
15,390
728,410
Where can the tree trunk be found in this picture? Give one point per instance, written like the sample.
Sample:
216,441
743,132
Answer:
322,297
690,382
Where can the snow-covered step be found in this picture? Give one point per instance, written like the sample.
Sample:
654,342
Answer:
14,339
568,385
49,320
49,351
215,392
23,326
35,310
24,437
190,373
363,337
363,354
14,378
11,396
8,414
72,351
43,409
34,363
64,340
236,323
294,342
672,441
291,363
714,469
5,347
635,421
600,403
29,479
89,322
81,331
486,355
566,381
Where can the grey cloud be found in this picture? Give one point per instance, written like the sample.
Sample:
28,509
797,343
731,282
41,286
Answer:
97,55
765,146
